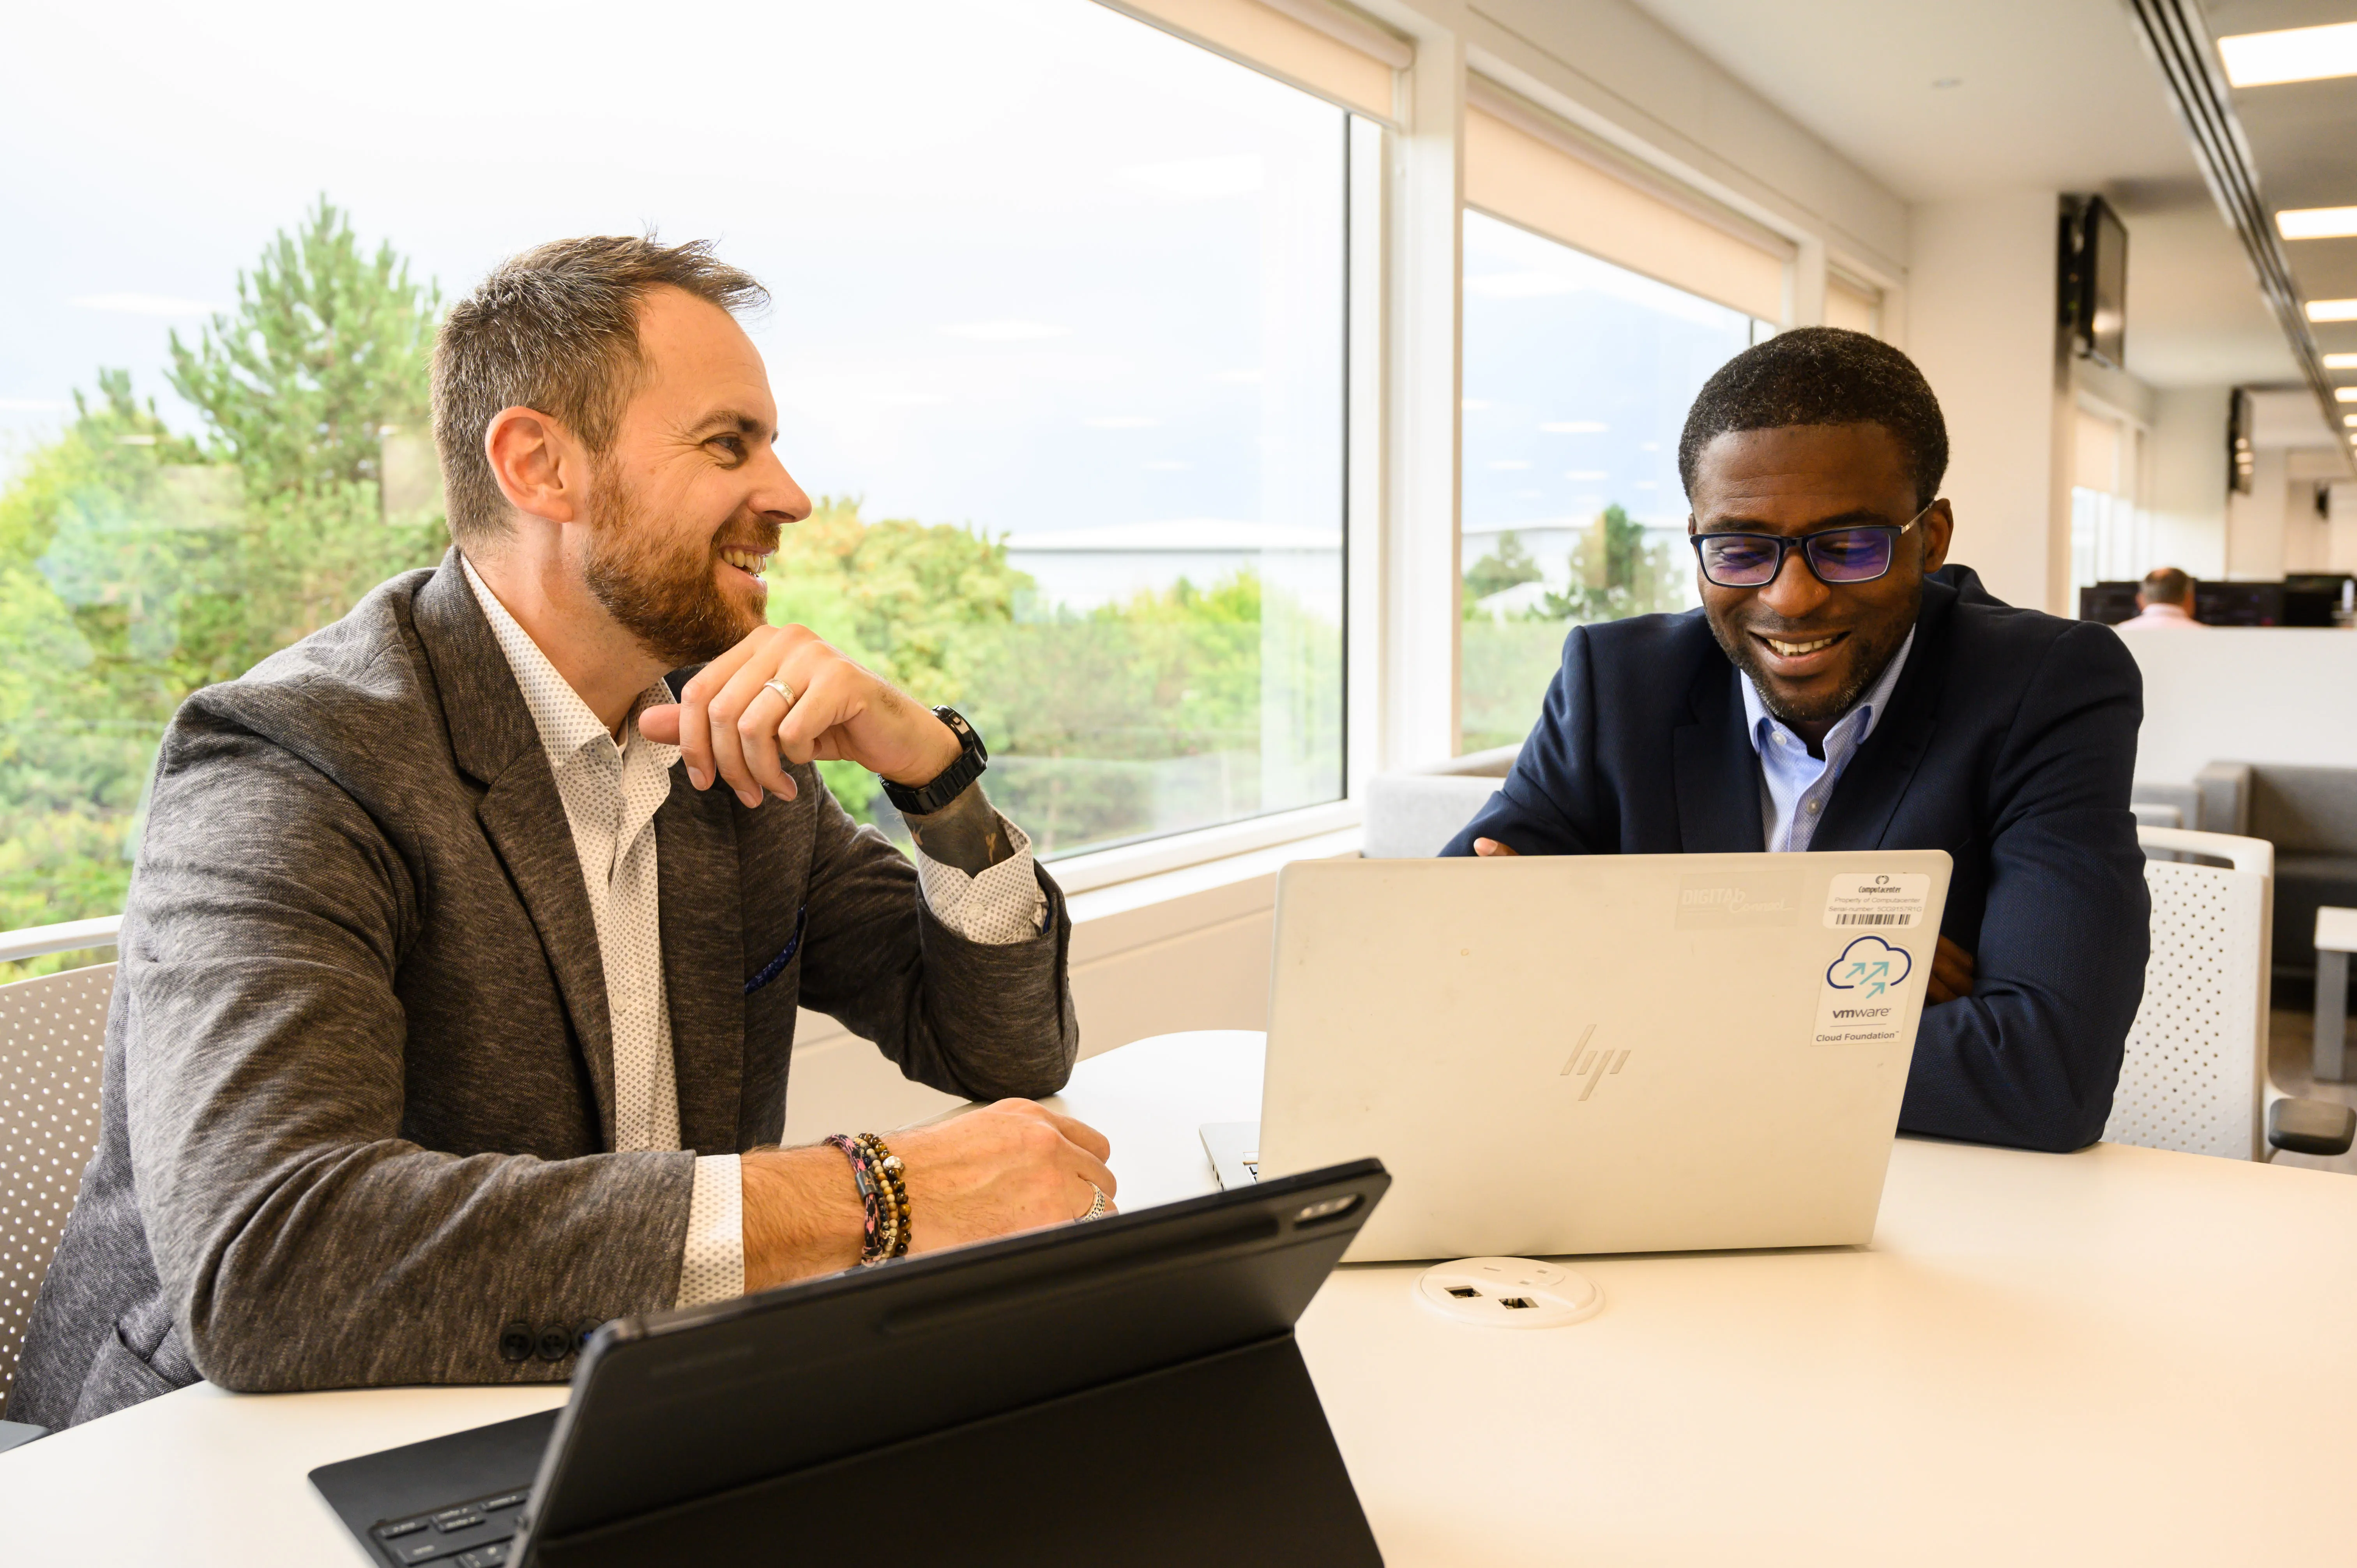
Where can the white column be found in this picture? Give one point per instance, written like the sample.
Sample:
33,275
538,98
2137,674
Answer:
1981,323
1424,372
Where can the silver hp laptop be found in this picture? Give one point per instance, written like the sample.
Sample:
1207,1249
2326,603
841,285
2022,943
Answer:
1595,1053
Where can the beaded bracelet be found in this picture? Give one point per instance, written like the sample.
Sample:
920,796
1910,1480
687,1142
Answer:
893,1180
872,1245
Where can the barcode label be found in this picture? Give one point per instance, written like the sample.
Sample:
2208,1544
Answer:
1889,901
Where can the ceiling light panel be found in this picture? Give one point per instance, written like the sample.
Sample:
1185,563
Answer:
2332,310
2295,54
2341,361
2317,222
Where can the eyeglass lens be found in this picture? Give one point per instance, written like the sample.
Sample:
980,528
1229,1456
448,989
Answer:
1839,555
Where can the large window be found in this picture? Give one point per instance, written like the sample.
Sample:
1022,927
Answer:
1058,340
1577,377
2110,540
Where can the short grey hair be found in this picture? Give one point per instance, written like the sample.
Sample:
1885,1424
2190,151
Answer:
556,329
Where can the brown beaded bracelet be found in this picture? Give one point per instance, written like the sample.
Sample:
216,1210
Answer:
891,1178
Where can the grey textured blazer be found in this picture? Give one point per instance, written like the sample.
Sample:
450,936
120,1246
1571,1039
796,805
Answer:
358,1083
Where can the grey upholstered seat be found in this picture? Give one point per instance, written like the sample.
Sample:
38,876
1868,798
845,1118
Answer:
52,1037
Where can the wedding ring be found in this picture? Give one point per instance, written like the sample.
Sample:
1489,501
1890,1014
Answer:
1097,1209
785,693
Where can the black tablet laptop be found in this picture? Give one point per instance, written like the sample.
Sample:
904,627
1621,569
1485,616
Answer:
1126,1391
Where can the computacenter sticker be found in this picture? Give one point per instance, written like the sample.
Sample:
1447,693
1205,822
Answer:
1895,901
1862,1001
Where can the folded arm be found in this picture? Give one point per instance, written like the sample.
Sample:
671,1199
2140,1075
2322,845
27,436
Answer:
2032,1057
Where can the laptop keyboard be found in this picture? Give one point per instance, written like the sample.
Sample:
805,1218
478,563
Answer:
478,1534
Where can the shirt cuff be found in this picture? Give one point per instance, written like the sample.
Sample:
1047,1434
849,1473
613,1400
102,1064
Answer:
1001,905
712,1268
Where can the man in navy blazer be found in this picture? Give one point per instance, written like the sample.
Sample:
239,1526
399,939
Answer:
1842,687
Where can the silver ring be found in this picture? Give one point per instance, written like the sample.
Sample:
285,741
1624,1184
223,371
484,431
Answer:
784,692
1096,1210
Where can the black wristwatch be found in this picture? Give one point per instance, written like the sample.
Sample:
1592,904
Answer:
951,782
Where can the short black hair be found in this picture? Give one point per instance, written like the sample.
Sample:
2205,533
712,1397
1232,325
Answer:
2168,585
1821,375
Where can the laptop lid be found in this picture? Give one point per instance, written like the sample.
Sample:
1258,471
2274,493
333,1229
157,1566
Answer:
1601,1053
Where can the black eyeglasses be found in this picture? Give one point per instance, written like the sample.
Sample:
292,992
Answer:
1838,556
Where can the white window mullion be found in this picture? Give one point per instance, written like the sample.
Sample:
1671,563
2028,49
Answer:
1424,370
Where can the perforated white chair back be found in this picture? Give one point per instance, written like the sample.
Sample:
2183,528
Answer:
2194,1078
52,1039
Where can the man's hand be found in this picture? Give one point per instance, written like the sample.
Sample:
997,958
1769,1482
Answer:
730,725
1952,974
1014,1165
1489,849
1004,1167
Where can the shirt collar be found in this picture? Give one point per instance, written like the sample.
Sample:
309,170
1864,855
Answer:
1870,706
564,722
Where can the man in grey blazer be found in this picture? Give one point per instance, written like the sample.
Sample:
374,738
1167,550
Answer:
460,965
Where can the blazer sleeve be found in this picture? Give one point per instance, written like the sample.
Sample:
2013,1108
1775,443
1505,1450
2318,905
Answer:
2031,1058
987,1021
1553,801
299,1239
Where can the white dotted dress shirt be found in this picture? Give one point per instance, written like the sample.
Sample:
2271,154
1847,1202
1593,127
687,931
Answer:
610,794
1794,786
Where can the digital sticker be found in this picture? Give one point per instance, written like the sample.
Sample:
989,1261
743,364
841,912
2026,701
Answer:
1898,901
1863,1001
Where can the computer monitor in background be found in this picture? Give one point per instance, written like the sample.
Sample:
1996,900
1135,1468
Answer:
2110,603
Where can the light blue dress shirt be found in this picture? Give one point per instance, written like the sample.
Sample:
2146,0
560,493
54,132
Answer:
1794,786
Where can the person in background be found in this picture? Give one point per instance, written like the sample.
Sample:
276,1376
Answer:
2165,602
1844,686
461,962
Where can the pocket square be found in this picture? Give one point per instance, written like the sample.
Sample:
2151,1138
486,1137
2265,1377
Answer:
777,966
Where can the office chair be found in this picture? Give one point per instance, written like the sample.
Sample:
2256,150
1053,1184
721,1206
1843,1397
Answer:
2194,1076
53,1039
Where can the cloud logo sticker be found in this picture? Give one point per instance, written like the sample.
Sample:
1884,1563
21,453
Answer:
1870,966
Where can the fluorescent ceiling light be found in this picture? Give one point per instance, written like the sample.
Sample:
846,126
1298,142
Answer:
2349,419
2317,222
2332,310
2294,54
2345,394
2341,361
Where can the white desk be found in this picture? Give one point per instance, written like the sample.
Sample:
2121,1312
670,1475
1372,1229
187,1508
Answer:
2066,1359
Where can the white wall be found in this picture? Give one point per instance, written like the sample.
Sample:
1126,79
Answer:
2255,522
2186,503
1980,322
2245,694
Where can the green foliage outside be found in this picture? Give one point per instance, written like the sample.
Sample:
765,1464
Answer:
1508,658
137,565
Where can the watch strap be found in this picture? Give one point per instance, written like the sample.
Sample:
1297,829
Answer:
951,782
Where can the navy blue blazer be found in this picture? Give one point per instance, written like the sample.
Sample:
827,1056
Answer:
2010,743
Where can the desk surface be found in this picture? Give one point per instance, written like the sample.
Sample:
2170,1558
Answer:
2089,1357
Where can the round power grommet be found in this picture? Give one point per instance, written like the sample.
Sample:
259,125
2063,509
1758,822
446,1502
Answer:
1509,1293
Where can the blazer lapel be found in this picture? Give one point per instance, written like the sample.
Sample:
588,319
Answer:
1867,797
494,742
1718,772
704,959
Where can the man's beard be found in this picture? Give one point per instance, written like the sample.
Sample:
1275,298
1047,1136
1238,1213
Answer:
664,592
1872,660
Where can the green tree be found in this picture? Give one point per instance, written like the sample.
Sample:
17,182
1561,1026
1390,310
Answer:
137,564
1615,574
327,352
1509,566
